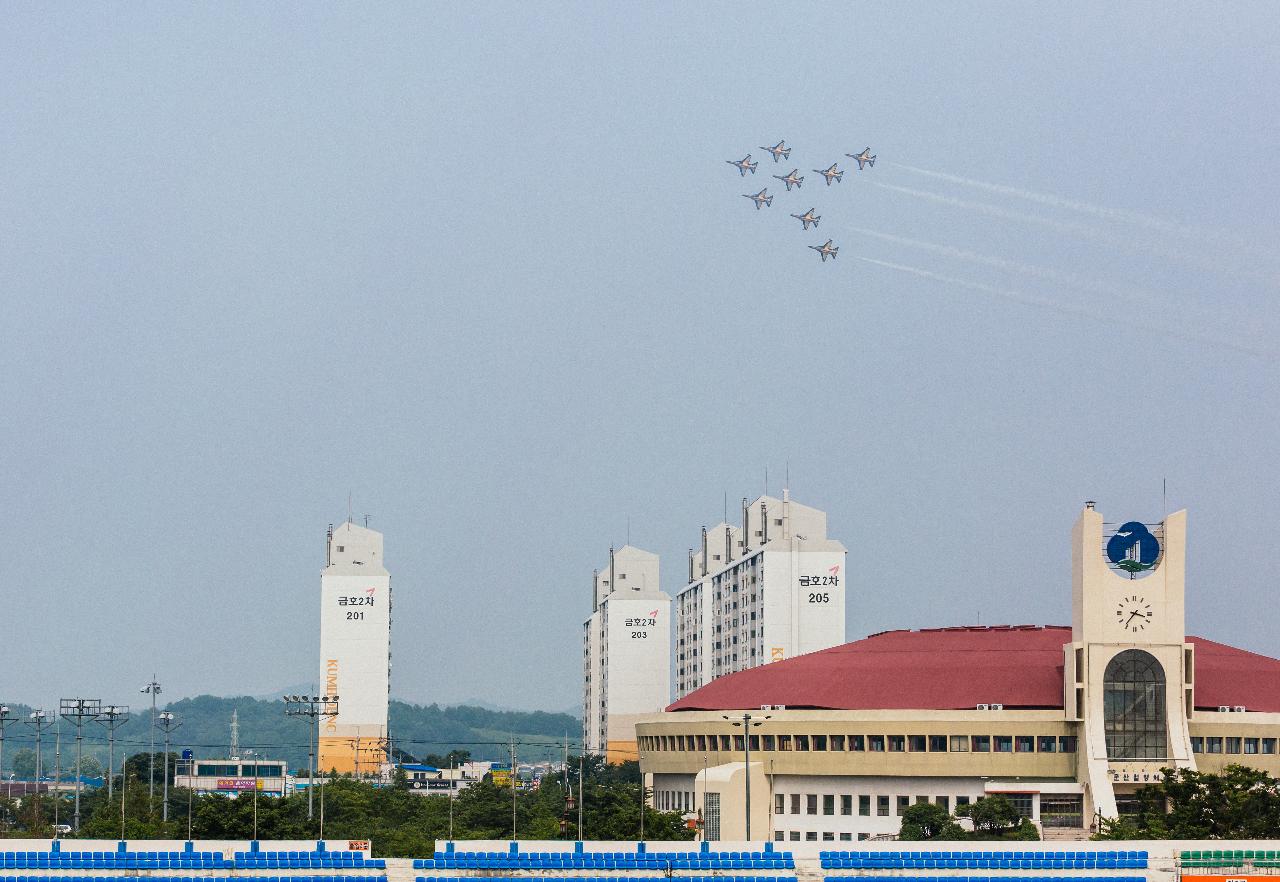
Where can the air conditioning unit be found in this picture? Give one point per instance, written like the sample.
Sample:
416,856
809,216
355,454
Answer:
997,707
1239,708
784,707
1223,709
766,707
984,707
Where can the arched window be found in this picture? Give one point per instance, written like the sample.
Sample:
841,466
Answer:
1134,707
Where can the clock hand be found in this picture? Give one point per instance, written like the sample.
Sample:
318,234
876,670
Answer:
1130,619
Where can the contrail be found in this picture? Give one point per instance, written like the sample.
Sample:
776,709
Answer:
1198,232
1054,306
1083,231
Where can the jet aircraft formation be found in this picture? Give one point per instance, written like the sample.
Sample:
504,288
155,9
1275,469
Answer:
793,178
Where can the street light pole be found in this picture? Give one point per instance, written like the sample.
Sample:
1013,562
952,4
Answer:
78,710
168,725
747,723
112,717
152,689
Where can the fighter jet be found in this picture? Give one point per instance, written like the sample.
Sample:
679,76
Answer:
825,250
779,152
808,218
790,179
864,158
761,198
744,165
830,173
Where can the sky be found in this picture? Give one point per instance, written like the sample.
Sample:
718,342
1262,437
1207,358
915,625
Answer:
484,268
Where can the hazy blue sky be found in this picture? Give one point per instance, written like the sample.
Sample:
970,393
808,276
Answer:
485,267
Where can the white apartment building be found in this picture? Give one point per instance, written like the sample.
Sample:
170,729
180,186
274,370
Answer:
355,651
626,652
769,590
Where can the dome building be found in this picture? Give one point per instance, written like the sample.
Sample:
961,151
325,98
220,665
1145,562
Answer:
1067,722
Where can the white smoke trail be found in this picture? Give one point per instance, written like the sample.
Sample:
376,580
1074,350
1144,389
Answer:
1071,310
1199,233
1036,272
1082,231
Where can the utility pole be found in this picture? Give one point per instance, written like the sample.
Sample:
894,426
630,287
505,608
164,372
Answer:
113,716
312,708
152,689
6,717
514,778
39,720
747,723
168,724
581,793
78,710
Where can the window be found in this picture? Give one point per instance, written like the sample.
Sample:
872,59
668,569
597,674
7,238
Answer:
1024,744
768,742
811,804
938,743
961,800
1197,744
864,805
846,804
1021,803
897,743
1067,744
811,836
1133,707
828,837
779,804
857,742
784,742
922,800
739,743
944,801
1213,744
828,804
1251,745
876,743
1048,744
981,743
724,742
795,835
882,806
755,742
916,743
1004,744
904,803
1233,745
960,743
702,743
802,742
779,836
837,742
795,803
1268,745
846,837
819,742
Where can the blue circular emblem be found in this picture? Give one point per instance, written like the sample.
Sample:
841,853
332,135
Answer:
1133,548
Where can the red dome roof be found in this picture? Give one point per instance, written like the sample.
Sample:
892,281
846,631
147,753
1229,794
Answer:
1019,666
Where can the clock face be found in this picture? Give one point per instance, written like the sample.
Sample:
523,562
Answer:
1133,614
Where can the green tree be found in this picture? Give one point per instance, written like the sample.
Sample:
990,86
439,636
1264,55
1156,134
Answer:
926,820
990,814
24,763
1238,803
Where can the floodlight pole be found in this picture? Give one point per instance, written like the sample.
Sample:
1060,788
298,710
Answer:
168,724
39,720
6,717
78,710
152,689
747,723
312,707
113,716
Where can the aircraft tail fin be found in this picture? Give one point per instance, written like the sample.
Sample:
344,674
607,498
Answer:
872,162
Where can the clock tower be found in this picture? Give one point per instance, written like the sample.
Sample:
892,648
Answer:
1128,671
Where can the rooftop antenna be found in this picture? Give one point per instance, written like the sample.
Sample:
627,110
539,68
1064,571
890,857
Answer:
1164,499
366,521
726,506
628,529
766,480
787,485
348,506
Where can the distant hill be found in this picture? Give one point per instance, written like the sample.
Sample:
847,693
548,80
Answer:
417,729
